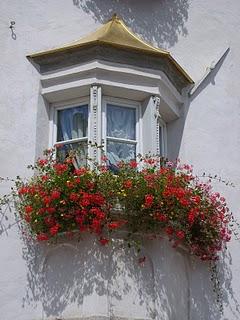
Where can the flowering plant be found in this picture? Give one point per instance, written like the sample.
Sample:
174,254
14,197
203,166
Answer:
155,197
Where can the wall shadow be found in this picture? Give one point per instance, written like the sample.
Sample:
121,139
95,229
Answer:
157,22
176,127
63,276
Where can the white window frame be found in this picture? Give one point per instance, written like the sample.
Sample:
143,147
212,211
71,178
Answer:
54,108
162,124
121,102
102,125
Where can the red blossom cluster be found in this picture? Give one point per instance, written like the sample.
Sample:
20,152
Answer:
155,197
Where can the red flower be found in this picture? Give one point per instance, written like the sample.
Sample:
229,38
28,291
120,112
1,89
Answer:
42,162
54,229
98,199
79,220
103,241
196,199
133,164
104,158
127,184
23,190
70,184
55,195
96,226
73,196
77,180
169,230
50,221
45,177
42,237
184,202
180,234
116,224
148,200
60,168
47,200
80,172
161,217
27,218
28,209
50,210
191,216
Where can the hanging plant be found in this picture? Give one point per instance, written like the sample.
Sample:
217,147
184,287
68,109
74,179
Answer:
149,196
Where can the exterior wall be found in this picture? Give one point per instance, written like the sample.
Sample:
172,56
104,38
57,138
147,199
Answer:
74,280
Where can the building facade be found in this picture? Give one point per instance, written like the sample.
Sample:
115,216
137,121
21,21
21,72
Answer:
157,76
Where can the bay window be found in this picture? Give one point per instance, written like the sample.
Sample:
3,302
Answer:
133,89
119,127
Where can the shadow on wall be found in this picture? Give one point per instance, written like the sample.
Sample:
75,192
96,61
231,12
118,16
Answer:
176,127
68,278
157,22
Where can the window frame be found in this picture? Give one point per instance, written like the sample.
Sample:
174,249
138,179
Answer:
54,108
162,124
121,102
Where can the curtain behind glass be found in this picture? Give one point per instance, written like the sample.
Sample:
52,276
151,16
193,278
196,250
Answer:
121,122
72,123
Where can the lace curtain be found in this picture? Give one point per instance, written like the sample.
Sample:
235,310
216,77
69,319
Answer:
73,124
121,124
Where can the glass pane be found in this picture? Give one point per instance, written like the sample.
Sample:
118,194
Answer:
121,122
78,148
72,123
117,151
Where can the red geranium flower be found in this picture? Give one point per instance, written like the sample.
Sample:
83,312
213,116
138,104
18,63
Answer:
103,241
180,234
54,229
28,209
42,237
148,200
169,230
127,184
55,195
133,164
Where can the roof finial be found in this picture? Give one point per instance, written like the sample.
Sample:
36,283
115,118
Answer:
115,17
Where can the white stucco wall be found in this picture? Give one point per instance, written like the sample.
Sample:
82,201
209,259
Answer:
76,280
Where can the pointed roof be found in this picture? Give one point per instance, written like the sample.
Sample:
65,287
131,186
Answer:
115,33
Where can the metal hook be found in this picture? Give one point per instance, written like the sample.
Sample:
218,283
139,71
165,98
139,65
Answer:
12,27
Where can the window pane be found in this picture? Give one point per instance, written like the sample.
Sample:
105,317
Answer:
121,122
72,123
117,151
79,149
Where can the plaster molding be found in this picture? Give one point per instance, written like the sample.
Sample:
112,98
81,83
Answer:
115,81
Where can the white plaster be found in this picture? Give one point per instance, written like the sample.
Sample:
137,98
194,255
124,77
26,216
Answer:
206,134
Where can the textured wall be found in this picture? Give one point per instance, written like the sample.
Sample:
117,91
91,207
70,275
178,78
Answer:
77,279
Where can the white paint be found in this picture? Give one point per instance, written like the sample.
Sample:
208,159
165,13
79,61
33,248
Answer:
206,134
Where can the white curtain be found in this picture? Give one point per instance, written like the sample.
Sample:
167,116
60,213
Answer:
72,123
121,124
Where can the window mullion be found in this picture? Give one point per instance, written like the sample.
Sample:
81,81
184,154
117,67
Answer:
122,140
95,134
70,141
